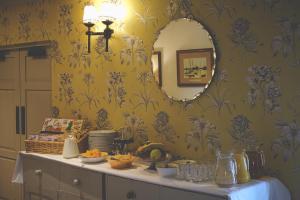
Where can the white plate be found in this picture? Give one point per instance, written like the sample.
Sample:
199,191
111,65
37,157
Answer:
92,160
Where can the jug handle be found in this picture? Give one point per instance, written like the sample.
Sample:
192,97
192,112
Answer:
218,153
247,161
235,166
263,159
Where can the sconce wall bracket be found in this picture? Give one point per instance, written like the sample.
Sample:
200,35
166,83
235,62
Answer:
107,33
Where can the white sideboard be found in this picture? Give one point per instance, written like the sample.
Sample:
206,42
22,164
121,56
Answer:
51,177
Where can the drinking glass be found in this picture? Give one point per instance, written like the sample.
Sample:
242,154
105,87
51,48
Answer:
181,171
189,171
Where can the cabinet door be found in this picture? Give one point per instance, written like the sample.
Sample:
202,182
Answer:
81,184
35,196
8,190
41,178
124,189
176,194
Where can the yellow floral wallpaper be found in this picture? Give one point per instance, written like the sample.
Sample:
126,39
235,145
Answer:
252,101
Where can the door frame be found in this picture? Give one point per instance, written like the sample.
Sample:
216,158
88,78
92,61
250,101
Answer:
44,43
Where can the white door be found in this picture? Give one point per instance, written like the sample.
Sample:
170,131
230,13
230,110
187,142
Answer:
25,82
9,138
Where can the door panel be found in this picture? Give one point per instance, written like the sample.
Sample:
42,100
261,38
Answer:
121,189
35,92
38,107
35,72
41,178
80,184
37,69
175,194
63,195
9,99
9,68
34,196
10,141
7,189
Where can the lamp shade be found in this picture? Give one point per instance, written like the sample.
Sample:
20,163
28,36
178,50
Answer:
90,14
111,11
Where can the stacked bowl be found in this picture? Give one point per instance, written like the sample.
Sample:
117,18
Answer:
102,140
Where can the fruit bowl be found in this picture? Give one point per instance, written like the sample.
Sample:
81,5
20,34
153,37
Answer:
92,160
121,161
93,156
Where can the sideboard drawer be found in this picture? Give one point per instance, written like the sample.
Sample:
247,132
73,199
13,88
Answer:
79,183
166,193
41,178
122,189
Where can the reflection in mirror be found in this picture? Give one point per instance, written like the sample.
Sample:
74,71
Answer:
183,60
156,67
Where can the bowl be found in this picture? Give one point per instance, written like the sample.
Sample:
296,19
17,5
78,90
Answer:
166,171
117,164
92,160
183,162
121,161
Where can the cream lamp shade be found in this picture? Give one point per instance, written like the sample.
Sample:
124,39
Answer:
90,14
111,12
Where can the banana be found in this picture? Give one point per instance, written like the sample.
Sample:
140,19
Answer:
144,151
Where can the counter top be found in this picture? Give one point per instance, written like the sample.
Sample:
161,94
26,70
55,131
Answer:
269,187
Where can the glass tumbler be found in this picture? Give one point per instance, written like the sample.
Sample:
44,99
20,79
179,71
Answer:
189,171
181,171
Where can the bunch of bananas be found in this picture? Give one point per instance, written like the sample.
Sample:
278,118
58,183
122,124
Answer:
145,150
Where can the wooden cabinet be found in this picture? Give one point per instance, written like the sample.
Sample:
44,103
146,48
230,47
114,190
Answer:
76,183
48,180
176,194
53,180
41,179
122,189
125,189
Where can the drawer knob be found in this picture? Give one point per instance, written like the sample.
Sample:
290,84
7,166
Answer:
76,181
131,195
38,172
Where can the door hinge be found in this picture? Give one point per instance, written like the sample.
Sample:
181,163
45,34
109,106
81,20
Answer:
3,55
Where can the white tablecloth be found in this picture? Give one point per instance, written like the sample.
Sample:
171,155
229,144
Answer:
264,189
267,188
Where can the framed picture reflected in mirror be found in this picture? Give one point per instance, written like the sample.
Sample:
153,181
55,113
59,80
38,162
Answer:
194,67
157,66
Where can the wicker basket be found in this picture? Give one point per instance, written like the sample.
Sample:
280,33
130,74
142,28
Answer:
53,147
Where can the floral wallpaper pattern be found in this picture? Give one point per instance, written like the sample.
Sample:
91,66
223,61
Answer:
241,133
202,134
263,85
253,100
241,35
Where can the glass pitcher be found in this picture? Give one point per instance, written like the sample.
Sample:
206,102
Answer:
226,169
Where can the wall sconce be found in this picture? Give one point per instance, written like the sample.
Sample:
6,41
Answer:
107,14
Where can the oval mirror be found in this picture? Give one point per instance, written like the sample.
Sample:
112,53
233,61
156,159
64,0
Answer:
183,59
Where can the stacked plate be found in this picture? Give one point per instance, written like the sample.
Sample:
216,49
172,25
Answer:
102,140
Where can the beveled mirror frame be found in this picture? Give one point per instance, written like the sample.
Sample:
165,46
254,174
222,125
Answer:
216,56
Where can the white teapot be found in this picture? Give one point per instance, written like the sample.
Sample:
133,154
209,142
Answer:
70,148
